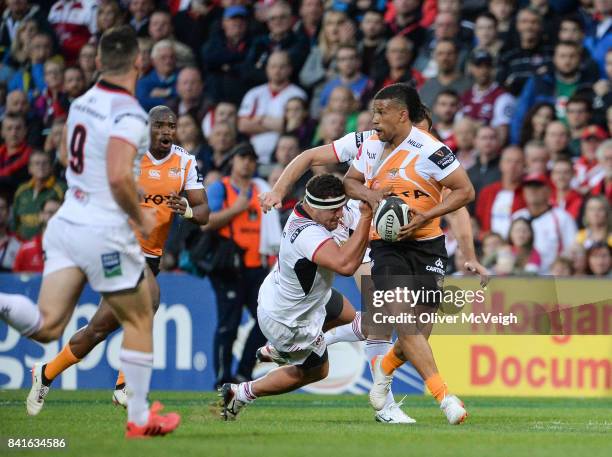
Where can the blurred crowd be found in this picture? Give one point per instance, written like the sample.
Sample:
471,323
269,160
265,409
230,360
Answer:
519,89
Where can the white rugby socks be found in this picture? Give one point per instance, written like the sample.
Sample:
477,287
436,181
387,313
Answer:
137,367
245,392
374,348
348,332
21,313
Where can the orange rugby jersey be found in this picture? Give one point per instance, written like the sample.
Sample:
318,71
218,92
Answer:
158,179
413,171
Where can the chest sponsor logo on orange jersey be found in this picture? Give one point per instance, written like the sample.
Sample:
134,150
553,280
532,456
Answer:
156,199
443,157
154,174
174,173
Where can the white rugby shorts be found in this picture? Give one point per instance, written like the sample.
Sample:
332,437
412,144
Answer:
110,257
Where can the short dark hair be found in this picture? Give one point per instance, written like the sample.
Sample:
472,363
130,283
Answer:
488,15
159,111
325,186
406,95
14,117
571,44
448,92
575,19
118,49
581,98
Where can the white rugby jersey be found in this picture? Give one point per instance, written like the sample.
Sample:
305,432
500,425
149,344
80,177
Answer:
301,288
105,111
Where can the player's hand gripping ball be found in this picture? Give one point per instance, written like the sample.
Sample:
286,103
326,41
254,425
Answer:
392,213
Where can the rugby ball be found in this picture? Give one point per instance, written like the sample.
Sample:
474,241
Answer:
391,215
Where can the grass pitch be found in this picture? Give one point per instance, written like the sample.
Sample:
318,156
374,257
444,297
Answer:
315,426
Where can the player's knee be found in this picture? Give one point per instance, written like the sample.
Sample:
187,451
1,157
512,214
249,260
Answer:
48,334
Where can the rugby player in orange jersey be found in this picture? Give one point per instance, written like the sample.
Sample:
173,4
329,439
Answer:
166,171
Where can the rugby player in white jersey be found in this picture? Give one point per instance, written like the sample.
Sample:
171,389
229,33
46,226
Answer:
345,150
91,238
296,300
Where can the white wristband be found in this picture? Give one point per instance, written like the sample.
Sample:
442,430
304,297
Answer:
188,211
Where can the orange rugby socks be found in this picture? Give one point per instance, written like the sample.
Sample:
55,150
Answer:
390,362
437,386
120,379
63,360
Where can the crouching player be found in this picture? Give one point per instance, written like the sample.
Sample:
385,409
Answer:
166,170
296,301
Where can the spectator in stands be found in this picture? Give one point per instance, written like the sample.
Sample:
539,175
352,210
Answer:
348,76
445,27
398,56
87,63
536,120
17,104
16,13
9,243
364,121
498,201
52,147
554,229
221,141
571,28
223,112
30,257
587,170
448,77
503,11
287,149
32,195
602,101
141,10
373,43
492,243
406,21
224,54
160,28
563,196
604,157
159,86
321,64
486,169
236,214
331,127
109,15
578,113
194,24
343,101
279,37
307,28
53,102
31,77
17,54
537,158
261,114
486,101
74,22
14,153
190,94
298,121
599,260
526,258
74,83
562,267
445,108
464,136
597,223
485,32
599,40
189,135
555,86
530,56
557,139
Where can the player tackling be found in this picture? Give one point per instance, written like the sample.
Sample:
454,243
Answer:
165,171
296,300
91,239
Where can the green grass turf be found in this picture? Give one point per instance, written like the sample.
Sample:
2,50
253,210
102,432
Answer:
316,426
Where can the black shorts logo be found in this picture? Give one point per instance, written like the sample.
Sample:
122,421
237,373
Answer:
443,157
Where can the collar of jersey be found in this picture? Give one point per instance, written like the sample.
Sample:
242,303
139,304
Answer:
300,211
112,87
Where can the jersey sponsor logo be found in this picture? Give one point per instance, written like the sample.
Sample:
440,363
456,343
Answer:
443,157
358,139
111,263
437,267
154,174
416,194
135,115
174,173
156,199
416,144
371,155
299,230
393,173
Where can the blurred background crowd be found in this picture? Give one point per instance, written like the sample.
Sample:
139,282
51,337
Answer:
519,89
